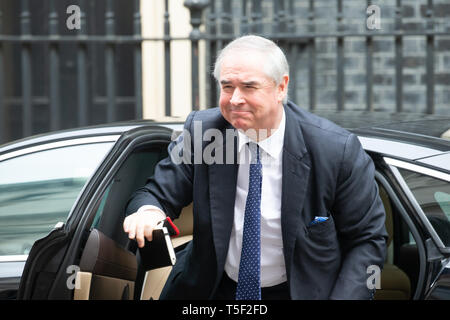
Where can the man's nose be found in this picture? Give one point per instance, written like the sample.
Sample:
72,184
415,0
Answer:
237,97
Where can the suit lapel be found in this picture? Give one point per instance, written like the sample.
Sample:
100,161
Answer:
296,167
222,192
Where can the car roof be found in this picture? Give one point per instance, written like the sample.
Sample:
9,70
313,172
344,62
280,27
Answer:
109,129
415,123
411,136
405,125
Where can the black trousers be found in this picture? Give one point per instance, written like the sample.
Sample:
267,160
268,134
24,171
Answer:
227,290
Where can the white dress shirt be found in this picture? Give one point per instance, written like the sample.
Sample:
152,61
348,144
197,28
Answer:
273,270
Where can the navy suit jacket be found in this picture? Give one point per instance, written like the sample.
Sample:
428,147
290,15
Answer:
325,173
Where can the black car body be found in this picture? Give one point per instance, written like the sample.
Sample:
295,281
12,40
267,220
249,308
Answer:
413,172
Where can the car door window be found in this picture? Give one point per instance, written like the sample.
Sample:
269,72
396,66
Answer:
433,196
37,190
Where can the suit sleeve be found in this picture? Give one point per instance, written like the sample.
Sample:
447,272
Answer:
170,187
359,216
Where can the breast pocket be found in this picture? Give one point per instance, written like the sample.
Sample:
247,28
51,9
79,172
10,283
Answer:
322,236
319,251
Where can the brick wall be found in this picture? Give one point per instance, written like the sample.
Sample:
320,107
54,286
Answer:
384,90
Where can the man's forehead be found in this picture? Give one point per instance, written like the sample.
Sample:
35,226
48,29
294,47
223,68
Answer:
244,68
248,61
243,75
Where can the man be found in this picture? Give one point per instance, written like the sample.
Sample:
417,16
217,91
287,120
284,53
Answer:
303,220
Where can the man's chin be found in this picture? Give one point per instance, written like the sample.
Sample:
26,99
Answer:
240,125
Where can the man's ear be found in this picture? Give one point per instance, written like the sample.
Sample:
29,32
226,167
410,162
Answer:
283,88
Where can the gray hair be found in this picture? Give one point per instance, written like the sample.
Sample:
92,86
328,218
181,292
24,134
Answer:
275,68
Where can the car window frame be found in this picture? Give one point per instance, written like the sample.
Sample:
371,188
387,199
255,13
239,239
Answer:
51,145
394,164
389,188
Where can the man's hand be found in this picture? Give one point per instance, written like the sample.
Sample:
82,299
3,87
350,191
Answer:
140,225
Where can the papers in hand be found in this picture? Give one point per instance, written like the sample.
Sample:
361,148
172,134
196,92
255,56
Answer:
159,252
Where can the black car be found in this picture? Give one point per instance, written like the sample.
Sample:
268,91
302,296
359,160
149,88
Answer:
62,200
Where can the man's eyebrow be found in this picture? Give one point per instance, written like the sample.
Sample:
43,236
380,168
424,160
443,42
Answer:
245,83
250,83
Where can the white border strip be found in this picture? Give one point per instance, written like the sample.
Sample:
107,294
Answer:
417,168
19,258
59,144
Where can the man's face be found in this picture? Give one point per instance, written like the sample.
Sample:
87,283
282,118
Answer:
249,99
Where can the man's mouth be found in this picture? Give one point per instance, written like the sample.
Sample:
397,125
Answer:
238,111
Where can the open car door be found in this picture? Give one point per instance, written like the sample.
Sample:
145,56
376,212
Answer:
92,240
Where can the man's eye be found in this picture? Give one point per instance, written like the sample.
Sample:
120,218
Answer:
250,87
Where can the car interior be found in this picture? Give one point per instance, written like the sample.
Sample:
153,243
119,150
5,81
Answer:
110,265
400,270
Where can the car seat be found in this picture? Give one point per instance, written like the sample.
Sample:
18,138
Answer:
395,283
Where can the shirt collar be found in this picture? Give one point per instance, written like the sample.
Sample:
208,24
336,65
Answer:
273,145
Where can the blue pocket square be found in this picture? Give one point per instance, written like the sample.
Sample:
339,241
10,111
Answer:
318,220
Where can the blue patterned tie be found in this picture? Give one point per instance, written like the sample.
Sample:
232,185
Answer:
249,283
